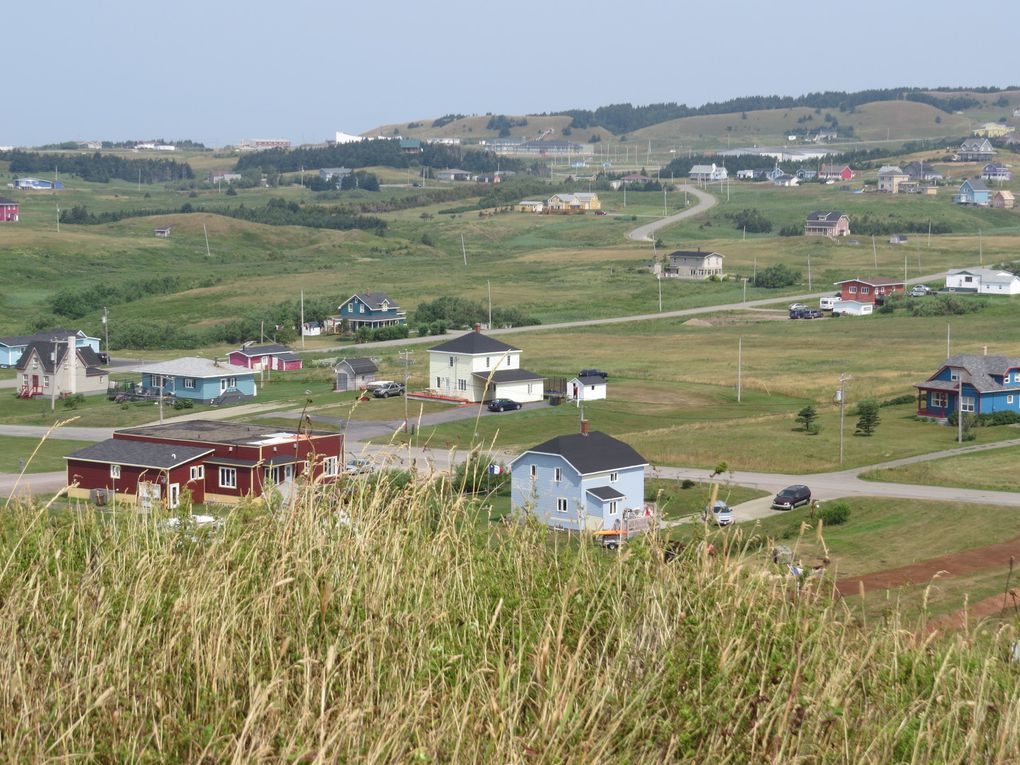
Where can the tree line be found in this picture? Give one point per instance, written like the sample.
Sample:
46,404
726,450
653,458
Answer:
101,168
460,312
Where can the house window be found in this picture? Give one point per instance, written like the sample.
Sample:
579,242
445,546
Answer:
198,472
488,362
614,507
361,308
461,384
558,474
534,472
189,383
232,382
228,478
439,382
331,466
453,360
561,505
114,471
852,289
530,386
46,381
967,404
954,375
614,477
865,290
940,400
1009,399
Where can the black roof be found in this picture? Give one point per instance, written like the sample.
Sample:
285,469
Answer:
61,333
606,493
591,380
119,451
594,453
263,350
508,375
360,366
45,350
7,201
475,343
819,216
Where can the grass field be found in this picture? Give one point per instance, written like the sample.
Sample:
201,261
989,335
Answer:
996,470
49,457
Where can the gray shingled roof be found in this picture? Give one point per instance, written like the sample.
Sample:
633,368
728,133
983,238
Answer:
119,451
194,366
44,348
976,184
473,343
591,380
606,493
360,366
508,375
594,453
820,216
264,350
978,371
373,300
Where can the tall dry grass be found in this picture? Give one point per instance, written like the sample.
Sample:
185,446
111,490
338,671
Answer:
414,634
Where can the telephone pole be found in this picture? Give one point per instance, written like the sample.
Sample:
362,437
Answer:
106,329
407,359
843,379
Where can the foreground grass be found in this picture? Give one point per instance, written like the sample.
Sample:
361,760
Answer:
413,635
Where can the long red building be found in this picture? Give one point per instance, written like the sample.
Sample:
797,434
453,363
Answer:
221,462
8,210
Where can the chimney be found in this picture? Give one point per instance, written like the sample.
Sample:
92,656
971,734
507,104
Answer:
478,327
584,427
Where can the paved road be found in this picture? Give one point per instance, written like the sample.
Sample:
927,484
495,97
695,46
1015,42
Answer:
644,233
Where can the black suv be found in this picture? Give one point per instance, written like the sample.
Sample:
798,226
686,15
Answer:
593,373
791,497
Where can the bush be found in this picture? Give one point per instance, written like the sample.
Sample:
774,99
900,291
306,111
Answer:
184,403
835,513
687,483
750,220
906,398
775,277
73,402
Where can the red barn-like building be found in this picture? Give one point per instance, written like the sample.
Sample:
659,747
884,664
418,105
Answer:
278,358
8,210
869,290
220,462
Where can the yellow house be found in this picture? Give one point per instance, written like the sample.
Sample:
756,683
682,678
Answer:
994,130
573,203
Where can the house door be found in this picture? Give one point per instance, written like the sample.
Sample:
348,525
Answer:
575,390
341,381
223,385
35,382
174,495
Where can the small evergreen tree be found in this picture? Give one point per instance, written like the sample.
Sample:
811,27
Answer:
868,419
807,417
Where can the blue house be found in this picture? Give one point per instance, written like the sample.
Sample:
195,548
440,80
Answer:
198,379
581,482
369,309
13,346
988,383
973,191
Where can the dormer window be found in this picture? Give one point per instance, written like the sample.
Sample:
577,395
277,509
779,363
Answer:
954,375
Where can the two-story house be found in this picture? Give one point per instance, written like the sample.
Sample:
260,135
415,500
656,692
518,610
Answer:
198,379
973,191
997,173
971,384
372,310
976,150
216,461
835,173
827,223
890,178
687,264
587,481
8,210
572,203
711,172
475,367
12,346
59,369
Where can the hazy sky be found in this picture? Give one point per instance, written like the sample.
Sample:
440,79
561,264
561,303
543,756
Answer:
218,71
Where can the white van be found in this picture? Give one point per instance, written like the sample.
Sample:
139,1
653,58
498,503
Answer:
828,303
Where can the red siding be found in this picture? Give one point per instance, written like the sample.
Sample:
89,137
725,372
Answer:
874,292
240,360
8,213
95,475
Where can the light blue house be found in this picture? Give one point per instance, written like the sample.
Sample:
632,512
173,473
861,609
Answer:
198,379
13,346
369,309
585,481
989,384
973,191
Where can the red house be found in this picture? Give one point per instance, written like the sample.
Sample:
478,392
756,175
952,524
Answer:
835,173
278,358
869,290
8,210
221,462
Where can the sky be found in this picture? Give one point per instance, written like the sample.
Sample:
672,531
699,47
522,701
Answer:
218,71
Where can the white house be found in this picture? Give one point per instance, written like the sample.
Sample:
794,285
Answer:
711,172
587,388
697,266
984,281
475,367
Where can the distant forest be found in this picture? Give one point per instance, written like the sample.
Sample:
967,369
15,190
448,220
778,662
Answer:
382,152
624,118
100,168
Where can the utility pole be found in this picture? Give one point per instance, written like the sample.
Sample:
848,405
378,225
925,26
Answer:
463,249
53,378
959,411
809,271
488,289
665,212
204,231
406,358
745,290
658,278
302,316
874,249
842,412
948,327
740,360
106,329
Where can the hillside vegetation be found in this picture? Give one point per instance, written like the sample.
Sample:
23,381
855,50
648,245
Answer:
412,633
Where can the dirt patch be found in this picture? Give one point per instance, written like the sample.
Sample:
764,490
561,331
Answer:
697,323
733,319
955,564
996,605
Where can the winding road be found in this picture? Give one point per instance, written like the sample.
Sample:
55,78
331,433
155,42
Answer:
705,202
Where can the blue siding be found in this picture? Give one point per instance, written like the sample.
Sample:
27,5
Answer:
539,495
202,389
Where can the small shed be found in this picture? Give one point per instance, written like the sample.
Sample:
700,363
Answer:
162,233
354,374
853,308
587,388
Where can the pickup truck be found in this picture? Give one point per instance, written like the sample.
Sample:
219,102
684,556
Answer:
388,389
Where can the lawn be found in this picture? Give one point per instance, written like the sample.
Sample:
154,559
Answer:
996,469
676,502
50,456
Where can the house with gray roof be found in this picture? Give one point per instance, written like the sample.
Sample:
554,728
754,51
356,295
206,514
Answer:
370,310
694,265
475,367
971,384
59,368
12,346
973,191
587,481
975,150
199,379
827,223
984,281
354,374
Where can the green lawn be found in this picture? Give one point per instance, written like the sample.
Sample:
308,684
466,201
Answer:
50,456
676,502
996,469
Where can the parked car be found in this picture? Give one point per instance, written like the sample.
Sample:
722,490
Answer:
722,514
357,466
797,306
388,389
791,497
503,405
593,373
104,357
811,313
920,290
601,212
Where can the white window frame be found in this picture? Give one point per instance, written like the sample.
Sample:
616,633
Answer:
557,475
331,466
562,505
534,472
439,381
231,382
189,383
852,289
46,381
940,399
968,403
114,471
228,478
614,477
198,472
1009,399
954,376
614,507
865,290
461,384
